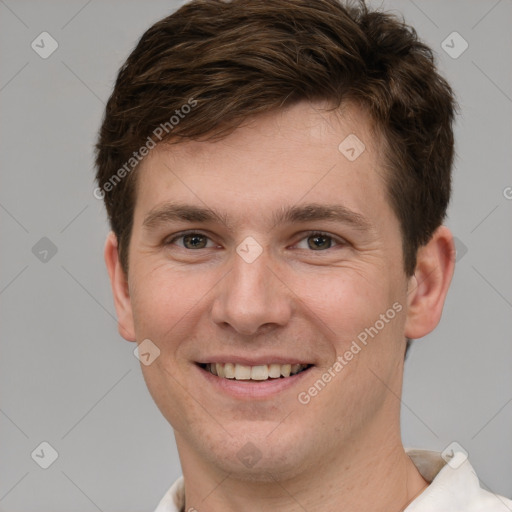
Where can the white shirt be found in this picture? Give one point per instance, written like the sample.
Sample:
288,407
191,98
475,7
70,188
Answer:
452,488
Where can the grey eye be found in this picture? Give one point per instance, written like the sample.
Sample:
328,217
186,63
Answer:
194,241
319,242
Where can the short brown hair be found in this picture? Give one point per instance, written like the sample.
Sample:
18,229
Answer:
230,60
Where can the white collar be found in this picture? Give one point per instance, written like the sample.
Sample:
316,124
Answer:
451,489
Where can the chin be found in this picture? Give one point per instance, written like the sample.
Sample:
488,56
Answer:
259,457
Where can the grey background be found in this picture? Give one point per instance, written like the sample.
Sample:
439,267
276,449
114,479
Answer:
68,378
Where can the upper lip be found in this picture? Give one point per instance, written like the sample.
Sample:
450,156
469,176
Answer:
254,361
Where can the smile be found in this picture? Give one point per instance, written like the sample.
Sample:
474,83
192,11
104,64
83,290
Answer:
259,372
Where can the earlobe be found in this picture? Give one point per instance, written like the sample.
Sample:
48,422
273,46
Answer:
120,290
429,286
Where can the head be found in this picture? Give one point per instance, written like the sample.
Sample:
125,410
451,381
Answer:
235,121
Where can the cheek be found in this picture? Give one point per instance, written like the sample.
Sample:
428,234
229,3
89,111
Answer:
348,300
365,320
366,328
162,298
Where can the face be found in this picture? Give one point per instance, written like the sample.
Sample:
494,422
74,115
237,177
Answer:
269,252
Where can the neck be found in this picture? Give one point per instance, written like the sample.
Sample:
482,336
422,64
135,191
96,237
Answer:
375,477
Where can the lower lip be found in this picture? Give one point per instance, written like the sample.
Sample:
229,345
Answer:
253,389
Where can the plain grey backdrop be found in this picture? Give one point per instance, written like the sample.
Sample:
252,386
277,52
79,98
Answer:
66,376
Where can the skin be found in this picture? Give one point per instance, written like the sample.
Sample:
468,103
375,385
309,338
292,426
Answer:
344,446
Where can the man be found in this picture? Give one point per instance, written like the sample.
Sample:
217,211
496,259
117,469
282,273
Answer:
276,175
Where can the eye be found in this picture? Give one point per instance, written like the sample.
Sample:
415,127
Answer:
315,241
318,241
191,240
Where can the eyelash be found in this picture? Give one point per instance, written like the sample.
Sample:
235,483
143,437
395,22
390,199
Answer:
308,234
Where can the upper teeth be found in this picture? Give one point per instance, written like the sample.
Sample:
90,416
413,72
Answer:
259,372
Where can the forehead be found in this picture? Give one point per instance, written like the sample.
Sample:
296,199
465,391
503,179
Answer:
301,153
297,131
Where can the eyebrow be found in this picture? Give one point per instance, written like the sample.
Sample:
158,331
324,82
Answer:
169,212
318,212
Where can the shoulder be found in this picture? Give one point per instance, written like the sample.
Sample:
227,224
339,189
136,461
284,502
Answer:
454,486
174,498
485,501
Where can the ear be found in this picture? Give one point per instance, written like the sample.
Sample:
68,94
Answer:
429,285
119,283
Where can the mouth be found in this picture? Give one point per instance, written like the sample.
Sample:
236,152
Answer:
261,372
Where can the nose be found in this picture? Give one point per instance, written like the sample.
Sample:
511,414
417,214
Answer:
252,298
